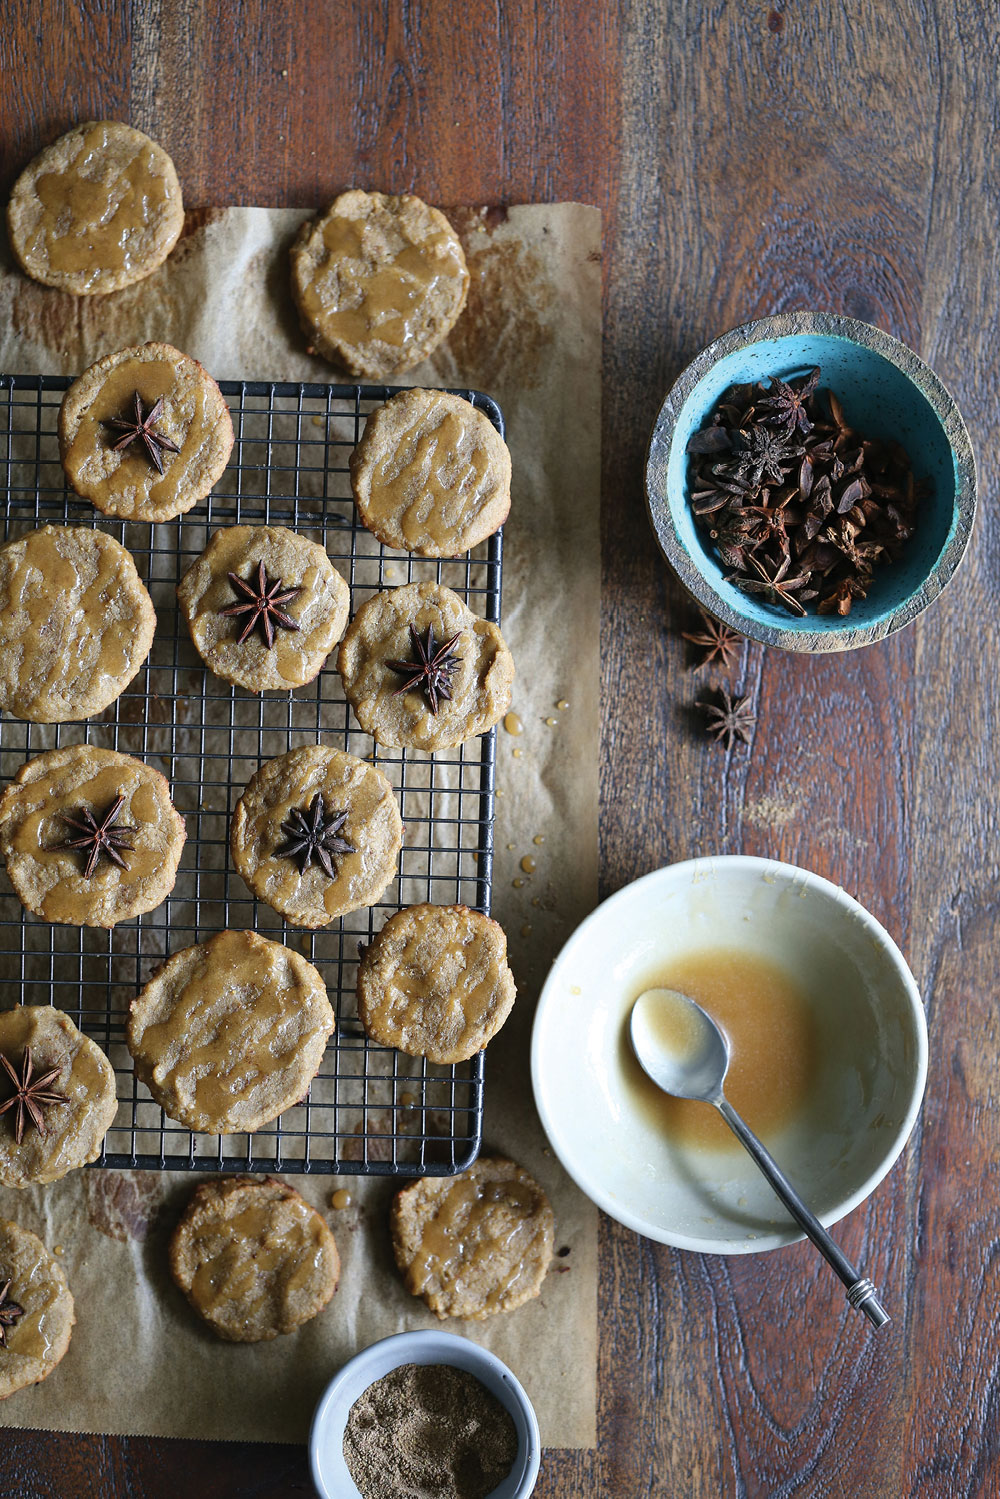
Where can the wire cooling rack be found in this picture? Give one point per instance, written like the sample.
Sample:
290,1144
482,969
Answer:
369,1110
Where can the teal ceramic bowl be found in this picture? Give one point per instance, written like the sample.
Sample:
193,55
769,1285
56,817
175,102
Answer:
886,391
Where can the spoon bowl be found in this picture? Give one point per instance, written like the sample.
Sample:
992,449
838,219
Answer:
679,1045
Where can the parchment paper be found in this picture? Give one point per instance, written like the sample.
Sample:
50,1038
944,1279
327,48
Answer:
140,1362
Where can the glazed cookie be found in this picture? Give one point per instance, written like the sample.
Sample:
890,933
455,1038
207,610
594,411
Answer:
76,623
98,209
420,669
265,607
379,281
144,433
253,1258
474,1244
431,474
435,983
57,1089
90,836
316,834
228,1034
36,1309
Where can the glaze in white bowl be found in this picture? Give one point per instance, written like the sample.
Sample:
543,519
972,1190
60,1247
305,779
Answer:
872,1046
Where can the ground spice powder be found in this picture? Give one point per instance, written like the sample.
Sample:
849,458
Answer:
428,1431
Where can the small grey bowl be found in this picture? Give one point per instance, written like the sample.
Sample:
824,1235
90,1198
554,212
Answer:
326,1436
886,391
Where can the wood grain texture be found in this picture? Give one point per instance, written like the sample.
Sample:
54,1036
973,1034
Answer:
793,158
750,158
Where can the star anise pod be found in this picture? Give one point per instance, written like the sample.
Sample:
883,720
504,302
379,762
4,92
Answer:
716,640
106,837
263,599
730,718
315,835
837,414
142,429
761,453
32,1096
770,524
432,669
777,587
785,404
10,1312
733,534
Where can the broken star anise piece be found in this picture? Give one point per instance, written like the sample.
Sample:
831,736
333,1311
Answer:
32,1096
263,600
315,835
843,595
142,429
107,837
730,719
432,669
716,640
10,1312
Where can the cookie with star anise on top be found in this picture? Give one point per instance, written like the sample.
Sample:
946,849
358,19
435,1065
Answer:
90,836
421,669
36,1309
144,433
316,834
57,1096
265,606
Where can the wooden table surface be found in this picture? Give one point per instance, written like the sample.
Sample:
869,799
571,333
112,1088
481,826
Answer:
748,159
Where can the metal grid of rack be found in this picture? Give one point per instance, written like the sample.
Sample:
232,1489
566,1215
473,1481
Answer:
369,1110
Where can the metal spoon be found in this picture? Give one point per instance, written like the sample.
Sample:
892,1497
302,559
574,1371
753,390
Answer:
681,1048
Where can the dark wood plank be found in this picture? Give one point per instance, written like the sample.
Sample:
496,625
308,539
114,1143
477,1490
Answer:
954,1328
477,105
50,1465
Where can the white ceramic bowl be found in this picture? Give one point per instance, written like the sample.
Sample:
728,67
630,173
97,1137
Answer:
326,1437
872,1041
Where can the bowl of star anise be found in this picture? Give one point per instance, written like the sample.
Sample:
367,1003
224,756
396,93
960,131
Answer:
811,482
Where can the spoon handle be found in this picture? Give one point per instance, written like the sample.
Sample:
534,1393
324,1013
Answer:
860,1292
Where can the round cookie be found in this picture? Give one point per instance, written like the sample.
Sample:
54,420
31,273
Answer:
253,1258
300,582
228,1034
431,474
76,623
474,1244
36,1315
62,797
144,433
98,209
392,704
279,811
435,983
379,281
73,1130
